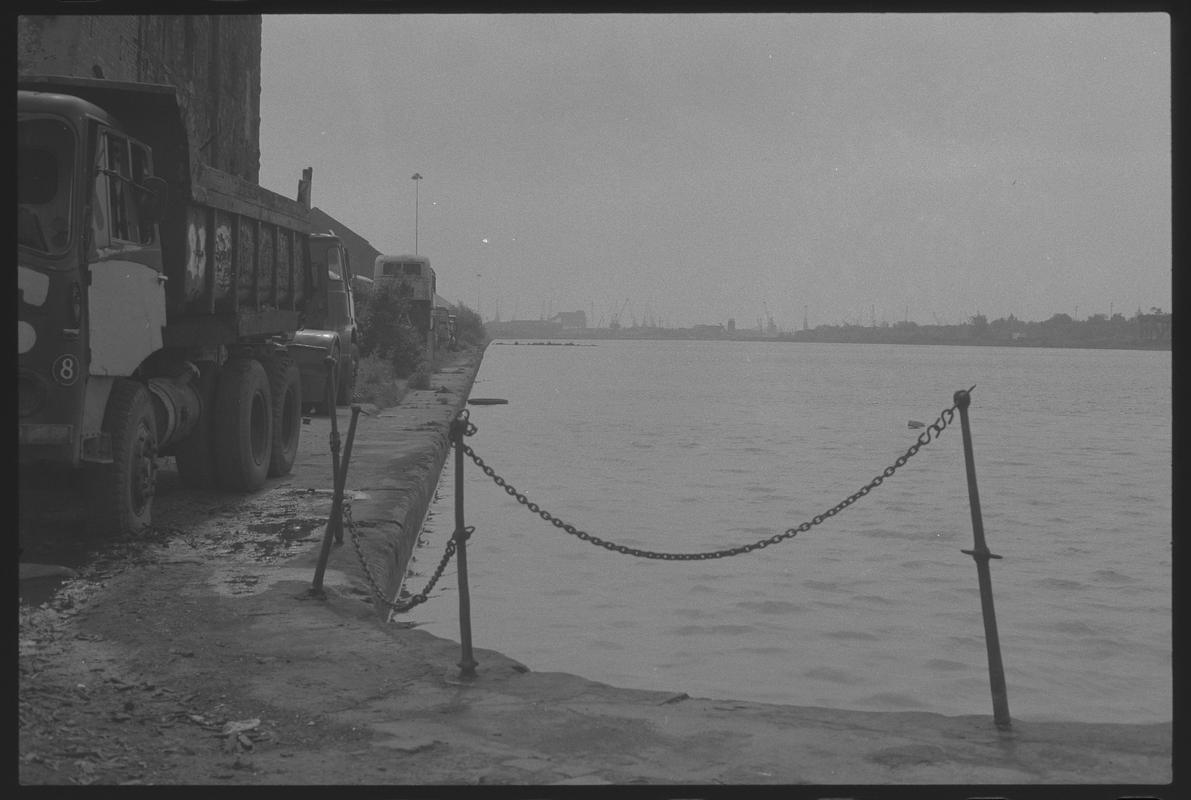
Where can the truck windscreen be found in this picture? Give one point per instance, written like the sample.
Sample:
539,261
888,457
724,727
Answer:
45,158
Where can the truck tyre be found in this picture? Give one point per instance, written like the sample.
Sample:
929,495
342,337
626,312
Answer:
285,382
122,491
243,425
195,455
347,376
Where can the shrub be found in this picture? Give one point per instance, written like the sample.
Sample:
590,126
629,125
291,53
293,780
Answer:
376,383
407,353
385,329
420,378
382,311
469,328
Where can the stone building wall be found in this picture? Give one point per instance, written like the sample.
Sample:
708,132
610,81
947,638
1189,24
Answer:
214,61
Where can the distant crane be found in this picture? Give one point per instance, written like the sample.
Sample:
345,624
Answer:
615,323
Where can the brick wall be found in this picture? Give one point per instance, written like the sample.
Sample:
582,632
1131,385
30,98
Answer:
214,61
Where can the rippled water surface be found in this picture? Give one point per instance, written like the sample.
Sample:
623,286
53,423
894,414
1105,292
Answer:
701,446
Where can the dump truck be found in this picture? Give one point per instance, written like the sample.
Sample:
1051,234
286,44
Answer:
331,328
158,299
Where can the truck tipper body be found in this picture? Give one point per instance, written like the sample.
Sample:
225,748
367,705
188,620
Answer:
158,298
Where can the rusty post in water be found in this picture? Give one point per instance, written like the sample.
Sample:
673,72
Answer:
467,666
981,554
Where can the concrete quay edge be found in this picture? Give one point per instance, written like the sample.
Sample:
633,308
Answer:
843,745
393,474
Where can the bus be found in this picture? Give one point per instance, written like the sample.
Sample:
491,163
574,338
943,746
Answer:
414,271
415,274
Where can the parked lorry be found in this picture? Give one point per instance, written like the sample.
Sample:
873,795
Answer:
416,279
158,300
330,328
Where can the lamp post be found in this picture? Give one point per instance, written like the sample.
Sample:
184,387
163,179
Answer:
416,177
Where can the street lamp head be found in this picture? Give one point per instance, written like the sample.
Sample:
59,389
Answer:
416,177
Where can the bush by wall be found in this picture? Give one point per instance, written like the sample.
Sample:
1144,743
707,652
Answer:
376,383
469,328
385,329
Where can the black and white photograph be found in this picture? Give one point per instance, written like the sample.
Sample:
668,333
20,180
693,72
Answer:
674,403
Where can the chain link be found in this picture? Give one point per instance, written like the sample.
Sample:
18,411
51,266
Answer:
424,595
414,600
468,428
929,434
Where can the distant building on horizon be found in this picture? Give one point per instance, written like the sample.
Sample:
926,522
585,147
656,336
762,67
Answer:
570,320
523,328
708,331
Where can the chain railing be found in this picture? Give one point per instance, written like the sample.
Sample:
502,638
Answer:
461,427
929,434
400,606
341,512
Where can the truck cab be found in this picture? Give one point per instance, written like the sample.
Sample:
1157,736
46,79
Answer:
87,245
331,329
154,313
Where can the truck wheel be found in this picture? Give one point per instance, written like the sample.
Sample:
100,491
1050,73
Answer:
347,377
195,455
122,491
285,382
243,425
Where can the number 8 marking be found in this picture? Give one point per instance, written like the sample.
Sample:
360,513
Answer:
66,369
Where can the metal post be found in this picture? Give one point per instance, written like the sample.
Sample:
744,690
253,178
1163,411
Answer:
331,531
467,665
981,555
331,390
416,177
335,523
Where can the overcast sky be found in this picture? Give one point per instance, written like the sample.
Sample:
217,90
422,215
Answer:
690,169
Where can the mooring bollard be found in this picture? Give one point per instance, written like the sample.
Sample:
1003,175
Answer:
981,554
467,665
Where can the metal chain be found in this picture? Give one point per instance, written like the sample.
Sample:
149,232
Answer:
424,595
932,432
414,600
